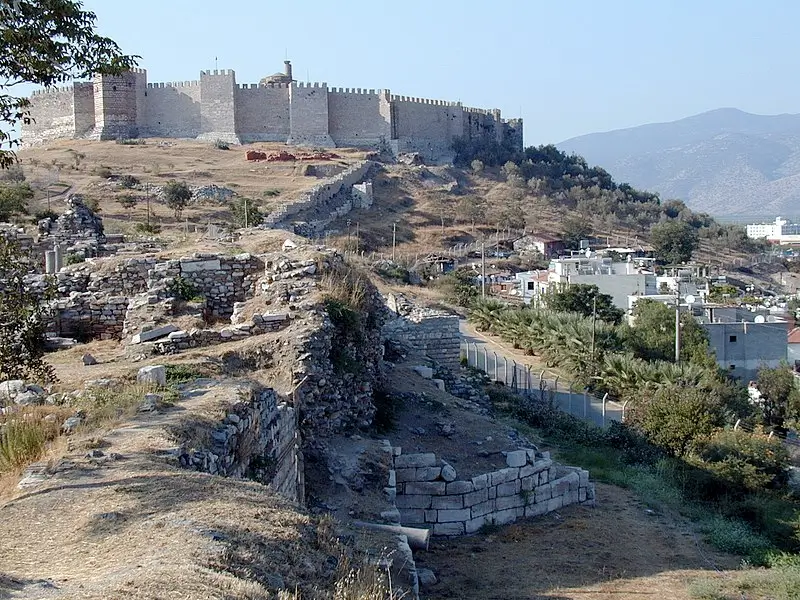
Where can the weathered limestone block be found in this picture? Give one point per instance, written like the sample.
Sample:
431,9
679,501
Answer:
517,458
452,516
447,502
476,497
434,488
428,474
415,460
460,487
154,375
413,501
448,529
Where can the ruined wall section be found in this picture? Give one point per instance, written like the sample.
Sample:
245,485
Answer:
53,115
262,112
360,118
83,107
431,332
172,109
308,111
218,106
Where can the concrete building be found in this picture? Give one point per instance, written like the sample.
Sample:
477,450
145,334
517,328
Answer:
793,346
781,231
278,109
546,245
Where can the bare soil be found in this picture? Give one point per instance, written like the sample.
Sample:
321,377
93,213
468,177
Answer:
614,550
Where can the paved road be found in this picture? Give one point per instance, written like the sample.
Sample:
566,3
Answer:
502,367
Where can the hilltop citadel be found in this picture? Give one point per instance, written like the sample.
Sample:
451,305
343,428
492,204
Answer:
277,109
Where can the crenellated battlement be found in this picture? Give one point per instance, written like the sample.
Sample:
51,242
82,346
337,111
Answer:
174,84
56,89
278,109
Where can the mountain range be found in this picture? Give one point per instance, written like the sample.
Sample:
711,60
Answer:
726,162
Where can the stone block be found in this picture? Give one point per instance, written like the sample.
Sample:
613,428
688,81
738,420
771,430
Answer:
527,471
11,387
474,525
504,517
481,481
508,489
154,375
153,334
574,480
452,516
404,475
391,515
425,372
517,458
392,478
543,493
535,510
430,516
415,501
192,266
544,477
448,473
583,478
571,497
531,452
476,497
555,503
391,493
447,502
484,508
509,502
403,461
428,474
560,486
545,455
449,529
434,488
439,383
492,492
528,483
582,494
412,515
460,487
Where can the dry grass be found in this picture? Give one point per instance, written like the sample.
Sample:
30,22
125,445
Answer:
26,434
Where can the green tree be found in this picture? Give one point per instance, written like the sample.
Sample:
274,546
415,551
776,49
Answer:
46,42
23,318
245,212
780,399
14,199
677,417
652,335
585,300
574,229
177,194
471,209
127,202
674,241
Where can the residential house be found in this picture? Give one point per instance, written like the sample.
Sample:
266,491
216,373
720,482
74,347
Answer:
545,244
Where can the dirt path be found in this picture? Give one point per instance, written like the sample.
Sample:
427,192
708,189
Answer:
615,550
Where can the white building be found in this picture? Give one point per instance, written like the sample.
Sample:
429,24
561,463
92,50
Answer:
780,231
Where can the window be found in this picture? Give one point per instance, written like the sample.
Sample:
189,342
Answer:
732,368
530,285
732,339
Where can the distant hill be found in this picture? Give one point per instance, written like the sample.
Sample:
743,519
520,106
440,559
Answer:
725,162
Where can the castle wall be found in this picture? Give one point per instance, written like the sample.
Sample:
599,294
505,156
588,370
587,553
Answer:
172,110
53,115
218,106
262,113
115,106
426,126
308,110
83,107
359,117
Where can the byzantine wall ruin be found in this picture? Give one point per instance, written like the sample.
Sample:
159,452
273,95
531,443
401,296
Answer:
279,109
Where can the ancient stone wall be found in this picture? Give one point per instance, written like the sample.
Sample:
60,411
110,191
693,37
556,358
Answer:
218,106
83,106
172,110
90,316
429,494
257,438
426,126
431,332
322,193
53,115
308,112
115,113
359,118
262,112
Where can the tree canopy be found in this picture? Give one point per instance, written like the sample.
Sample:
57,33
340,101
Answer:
674,241
585,300
177,195
47,42
652,335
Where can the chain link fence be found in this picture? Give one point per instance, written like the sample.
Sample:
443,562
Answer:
524,380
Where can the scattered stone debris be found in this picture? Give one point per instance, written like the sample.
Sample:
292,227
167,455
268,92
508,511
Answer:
283,156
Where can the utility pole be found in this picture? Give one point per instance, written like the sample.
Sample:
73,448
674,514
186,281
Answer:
357,239
483,268
245,213
678,326
594,320
147,197
394,239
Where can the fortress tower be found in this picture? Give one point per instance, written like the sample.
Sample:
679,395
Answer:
277,109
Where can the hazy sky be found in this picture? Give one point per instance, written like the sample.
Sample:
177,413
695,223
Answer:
568,68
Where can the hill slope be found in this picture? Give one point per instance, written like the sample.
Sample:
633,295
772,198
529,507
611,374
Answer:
725,162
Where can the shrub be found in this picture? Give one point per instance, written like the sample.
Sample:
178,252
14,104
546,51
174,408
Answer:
151,228
73,258
733,536
183,289
44,214
745,461
177,195
130,142
245,212
14,173
177,374
24,438
221,145
103,171
128,181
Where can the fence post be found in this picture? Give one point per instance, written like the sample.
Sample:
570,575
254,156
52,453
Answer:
505,370
605,397
495,366
585,402
569,401
485,361
555,392
528,379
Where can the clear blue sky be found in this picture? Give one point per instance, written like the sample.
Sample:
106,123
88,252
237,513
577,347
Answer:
568,68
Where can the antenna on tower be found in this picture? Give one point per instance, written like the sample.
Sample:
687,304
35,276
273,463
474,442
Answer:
308,77
215,63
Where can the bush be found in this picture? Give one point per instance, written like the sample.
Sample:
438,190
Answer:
183,289
40,215
221,145
128,181
459,286
745,461
177,195
14,174
24,438
151,228
103,171
74,258
733,536
271,193
246,213
130,142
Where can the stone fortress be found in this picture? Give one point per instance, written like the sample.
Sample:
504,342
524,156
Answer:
277,109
